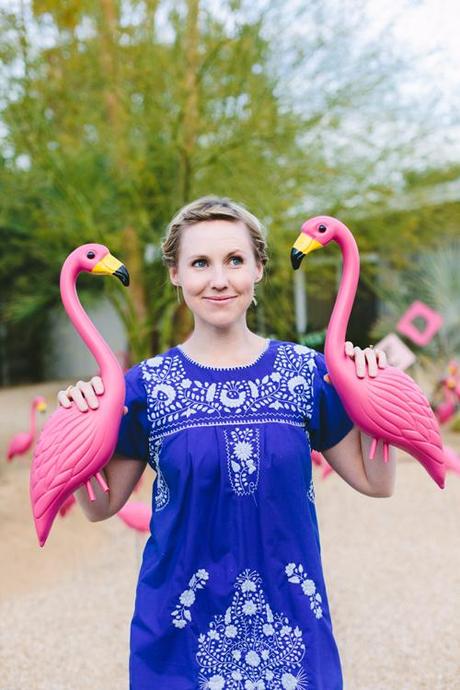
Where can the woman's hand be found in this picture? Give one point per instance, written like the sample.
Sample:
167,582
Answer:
373,359
84,394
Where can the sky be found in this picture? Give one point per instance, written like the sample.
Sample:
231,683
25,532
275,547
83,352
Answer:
424,27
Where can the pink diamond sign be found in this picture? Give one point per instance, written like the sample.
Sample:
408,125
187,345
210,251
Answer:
431,320
398,354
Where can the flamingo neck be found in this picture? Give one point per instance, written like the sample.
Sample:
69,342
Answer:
95,343
337,329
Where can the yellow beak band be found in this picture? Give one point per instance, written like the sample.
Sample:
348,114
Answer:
107,266
306,244
41,407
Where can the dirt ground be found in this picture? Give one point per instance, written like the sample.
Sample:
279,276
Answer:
392,568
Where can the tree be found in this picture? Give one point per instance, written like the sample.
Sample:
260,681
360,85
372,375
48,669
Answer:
121,112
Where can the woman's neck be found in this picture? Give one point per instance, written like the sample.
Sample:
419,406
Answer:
223,347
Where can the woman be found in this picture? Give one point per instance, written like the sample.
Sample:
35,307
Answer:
231,592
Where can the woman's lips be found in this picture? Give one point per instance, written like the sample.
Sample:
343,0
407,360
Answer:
220,299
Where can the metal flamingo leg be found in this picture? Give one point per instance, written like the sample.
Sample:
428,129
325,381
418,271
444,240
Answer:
373,449
90,491
102,482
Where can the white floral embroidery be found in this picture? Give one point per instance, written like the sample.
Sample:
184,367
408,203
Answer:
242,444
250,647
297,575
311,492
161,489
175,401
181,614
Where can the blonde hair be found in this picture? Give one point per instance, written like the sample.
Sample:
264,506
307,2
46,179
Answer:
212,208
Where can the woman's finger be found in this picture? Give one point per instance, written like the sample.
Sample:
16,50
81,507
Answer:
63,399
76,395
98,385
360,362
371,359
88,393
381,359
349,349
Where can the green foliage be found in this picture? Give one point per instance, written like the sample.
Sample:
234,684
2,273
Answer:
124,113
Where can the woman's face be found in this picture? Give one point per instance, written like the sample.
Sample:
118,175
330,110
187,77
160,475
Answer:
217,270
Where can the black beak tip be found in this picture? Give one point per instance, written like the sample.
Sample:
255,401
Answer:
296,258
123,275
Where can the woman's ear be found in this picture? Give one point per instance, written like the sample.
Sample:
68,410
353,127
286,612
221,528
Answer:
259,272
173,275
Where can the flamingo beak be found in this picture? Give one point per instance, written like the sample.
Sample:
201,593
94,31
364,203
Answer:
41,407
302,246
110,266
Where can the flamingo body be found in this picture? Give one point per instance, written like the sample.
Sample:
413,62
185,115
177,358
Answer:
136,515
389,407
393,409
75,445
445,411
22,442
19,444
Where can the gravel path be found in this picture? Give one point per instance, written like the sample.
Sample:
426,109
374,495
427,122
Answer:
392,568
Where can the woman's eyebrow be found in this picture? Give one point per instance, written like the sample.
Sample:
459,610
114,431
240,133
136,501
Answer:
204,256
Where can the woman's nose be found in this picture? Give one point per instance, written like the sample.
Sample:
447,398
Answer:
219,277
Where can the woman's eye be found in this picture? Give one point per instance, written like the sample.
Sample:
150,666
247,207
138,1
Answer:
236,259
199,263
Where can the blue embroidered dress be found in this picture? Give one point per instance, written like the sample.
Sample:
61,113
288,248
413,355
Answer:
231,594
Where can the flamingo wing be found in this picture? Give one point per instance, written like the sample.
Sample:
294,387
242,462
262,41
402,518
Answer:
400,414
70,450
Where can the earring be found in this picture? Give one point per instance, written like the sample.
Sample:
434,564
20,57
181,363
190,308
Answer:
254,301
178,294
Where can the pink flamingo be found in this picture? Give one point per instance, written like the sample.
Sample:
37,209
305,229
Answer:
319,460
447,408
21,443
452,460
74,445
390,407
67,506
136,515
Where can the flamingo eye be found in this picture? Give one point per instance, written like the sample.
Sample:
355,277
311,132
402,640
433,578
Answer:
322,228
91,255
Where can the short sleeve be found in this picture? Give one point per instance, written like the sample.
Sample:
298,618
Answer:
134,428
329,422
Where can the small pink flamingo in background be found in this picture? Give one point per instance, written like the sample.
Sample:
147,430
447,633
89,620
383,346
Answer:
21,443
452,460
319,460
136,515
74,446
390,407
67,506
447,408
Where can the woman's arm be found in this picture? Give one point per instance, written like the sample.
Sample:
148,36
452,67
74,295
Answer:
121,474
350,457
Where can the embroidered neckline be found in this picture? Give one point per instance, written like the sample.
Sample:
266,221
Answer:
268,342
